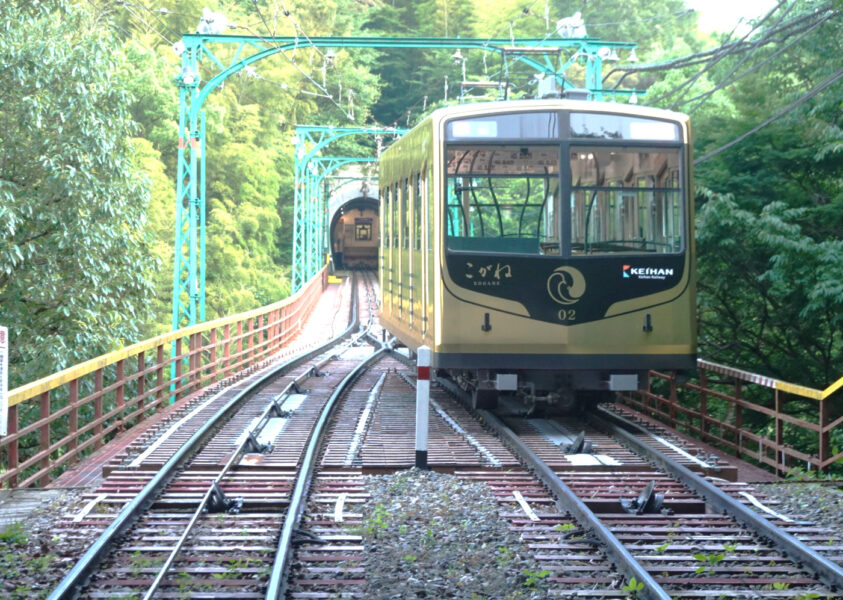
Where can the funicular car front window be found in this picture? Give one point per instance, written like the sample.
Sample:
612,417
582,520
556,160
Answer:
503,198
625,200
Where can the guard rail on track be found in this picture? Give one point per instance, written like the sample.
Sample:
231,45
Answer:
84,406
727,407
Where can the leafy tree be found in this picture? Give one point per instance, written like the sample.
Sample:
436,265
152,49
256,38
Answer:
73,252
771,298
777,216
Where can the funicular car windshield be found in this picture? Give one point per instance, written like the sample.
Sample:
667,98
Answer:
621,175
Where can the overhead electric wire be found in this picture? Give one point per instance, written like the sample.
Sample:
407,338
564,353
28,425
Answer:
142,20
157,12
727,82
792,27
804,98
720,55
673,15
325,92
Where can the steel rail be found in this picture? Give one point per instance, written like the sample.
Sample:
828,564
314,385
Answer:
826,571
252,434
277,587
70,586
214,485
567,500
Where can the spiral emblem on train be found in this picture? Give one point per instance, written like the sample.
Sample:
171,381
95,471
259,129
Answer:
566,285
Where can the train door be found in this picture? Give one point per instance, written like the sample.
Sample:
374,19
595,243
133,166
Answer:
424,250
416,289
395,267
405,250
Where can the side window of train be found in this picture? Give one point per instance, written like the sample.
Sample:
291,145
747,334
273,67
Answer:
417,212
385,221
394,220
429,201
405,215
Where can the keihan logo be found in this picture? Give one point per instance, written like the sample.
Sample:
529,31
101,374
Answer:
646,272
566,285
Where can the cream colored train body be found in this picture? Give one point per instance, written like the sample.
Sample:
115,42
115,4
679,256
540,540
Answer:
541,247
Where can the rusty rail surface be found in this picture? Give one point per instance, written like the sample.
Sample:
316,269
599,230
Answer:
81,408
728,408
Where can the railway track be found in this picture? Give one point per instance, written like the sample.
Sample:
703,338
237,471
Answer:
584,513
660,520
201,506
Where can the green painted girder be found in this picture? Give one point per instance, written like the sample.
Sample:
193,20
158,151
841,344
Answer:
310,209
325,165
267,46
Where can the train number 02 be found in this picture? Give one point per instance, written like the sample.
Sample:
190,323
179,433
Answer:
567,314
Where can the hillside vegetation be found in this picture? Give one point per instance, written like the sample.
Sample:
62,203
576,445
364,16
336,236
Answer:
88,142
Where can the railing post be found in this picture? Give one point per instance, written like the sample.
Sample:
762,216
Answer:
674,399
178,371
226,336
44,481
239,341
98,407
825,438
141,385
738,418
648,399
779,424
213,356
195,361
703,405
253,339
13,446
120,393
73,418
159,378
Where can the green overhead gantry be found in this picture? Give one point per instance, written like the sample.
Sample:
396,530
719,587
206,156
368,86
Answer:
189,263
310,236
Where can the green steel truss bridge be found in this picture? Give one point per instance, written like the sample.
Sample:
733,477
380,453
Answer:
222,56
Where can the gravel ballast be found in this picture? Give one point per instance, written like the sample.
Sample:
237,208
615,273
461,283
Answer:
820,504
432,535
427,535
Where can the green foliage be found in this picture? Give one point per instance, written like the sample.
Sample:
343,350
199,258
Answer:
710,561
377,523
534,577
74,255
633,588
15,534
784,313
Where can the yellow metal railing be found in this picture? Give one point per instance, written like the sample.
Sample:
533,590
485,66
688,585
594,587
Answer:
80,408
746,408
